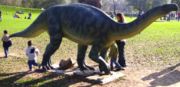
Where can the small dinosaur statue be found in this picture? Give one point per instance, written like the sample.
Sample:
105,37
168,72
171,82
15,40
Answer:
87,25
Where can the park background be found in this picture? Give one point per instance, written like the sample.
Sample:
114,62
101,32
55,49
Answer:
153,56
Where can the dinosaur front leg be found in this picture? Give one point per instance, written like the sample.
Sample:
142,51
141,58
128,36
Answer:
81,58
50,49
55,35
94,55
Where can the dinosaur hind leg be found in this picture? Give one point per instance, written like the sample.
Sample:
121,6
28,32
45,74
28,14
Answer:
94,55
81,58
103,53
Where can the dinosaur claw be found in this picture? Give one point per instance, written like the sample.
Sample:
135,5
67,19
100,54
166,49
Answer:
105,70
47,67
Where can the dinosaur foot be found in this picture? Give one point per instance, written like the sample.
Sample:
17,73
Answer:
85,67
105,70
45,68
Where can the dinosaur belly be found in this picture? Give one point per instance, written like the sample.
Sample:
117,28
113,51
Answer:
78,38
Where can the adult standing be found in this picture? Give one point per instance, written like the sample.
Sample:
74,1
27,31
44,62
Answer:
178,14
121,43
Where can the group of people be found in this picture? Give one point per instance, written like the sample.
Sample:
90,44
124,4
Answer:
16,15
172,16
29,16
31,51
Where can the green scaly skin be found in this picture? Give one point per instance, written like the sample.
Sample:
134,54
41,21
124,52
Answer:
87,25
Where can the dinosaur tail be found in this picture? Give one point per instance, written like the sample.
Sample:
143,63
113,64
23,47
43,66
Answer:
35,29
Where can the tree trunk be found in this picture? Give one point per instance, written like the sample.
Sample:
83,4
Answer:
96,3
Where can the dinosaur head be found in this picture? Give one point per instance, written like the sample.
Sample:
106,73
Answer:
135,27
168,8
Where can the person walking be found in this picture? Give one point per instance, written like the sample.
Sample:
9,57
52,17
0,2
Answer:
32,53
6,43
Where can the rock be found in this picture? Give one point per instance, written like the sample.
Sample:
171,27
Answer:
65,64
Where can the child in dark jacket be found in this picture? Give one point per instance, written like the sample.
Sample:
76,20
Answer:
6,43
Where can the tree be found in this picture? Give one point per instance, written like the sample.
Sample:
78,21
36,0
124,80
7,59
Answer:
114,5
96,3
176,1
35,3
146,4
160,2
48,3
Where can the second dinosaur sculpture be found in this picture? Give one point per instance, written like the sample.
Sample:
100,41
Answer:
87,25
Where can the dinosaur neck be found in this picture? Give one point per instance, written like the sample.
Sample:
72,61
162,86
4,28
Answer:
127,30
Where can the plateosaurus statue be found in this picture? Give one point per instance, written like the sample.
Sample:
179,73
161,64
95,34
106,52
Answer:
87,25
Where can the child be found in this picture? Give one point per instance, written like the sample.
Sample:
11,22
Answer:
32,54
113,57
6,43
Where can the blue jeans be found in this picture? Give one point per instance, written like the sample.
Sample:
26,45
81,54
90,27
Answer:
113,61
6,48
6,51
31,63
121,45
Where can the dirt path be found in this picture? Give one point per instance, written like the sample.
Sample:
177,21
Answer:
134,77
11,55
168,77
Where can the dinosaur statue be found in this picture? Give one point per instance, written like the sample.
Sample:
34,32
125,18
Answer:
87,25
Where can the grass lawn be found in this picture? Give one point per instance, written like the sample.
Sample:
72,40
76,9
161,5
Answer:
158,46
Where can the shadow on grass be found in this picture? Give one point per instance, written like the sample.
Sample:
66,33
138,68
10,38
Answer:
56,80
166,77
49,80
70,80
9,79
